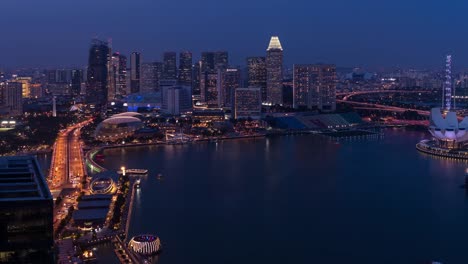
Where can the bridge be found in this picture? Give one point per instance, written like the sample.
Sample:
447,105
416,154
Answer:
348,95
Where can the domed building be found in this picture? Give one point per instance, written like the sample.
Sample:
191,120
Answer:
118,127
145,244
448,131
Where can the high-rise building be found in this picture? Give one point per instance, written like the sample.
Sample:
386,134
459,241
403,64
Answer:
176,100
76,80
97,73
118,80
230,81
185,68
150,76
170,65
274,69
25,84
196,74
14,98
135,71
210,63
257,75
314,86
26,212
248,103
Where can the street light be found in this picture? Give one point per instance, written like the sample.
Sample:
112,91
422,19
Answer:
123,170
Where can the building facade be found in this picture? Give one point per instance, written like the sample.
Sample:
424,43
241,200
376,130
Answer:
248,103
314,86
230,81
14,98
185,68
274,70
150,76
97,79
177,100
257,75
26,212
135,72
211,66
170,65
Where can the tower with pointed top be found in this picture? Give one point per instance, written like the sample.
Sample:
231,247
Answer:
274,69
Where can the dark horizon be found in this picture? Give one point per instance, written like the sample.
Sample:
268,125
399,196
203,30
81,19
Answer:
361,33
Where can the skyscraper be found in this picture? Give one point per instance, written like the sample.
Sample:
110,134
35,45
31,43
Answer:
210,63
247,103
76,80
257,75
176,100
274,69
314,86
13,99
97,79
170,65
121,81
185,68
230,81
150,76
135,71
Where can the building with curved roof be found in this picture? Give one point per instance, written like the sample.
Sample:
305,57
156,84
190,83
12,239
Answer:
130,114
448,131
145,244
117,127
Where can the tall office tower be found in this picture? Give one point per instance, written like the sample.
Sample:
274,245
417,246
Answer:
274,68
185,68
176,100
25,84
26,212
98,61
14,98
151,76
257,75
121,81
314,86
209,65
196,81
248,103
170,65
447,92
135,71
230,81
62,76
76,80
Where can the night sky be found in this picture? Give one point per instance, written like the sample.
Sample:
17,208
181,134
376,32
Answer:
366,33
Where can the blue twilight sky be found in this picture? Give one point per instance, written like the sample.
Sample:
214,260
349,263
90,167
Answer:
367,33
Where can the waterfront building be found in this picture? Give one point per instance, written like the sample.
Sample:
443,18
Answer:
118,127
93,209
26,212
170,65
145,244
314,86
248,103
97,73
447,130
135,71
203,117
257,75
274,69
185,68
176,100
150,77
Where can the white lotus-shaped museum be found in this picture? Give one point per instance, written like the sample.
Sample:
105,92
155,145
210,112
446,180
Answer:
448,128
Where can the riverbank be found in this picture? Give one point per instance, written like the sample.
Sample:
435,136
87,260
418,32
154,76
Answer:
429,147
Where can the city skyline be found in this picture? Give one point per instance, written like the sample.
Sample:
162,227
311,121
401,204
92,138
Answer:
333,32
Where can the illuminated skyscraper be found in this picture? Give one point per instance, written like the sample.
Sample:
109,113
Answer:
210,63
170,65
230,81
118,80
76,80
97,79
447,92
314,86
247,103
274,69
135,71
13,98
185,68
150,76
257,75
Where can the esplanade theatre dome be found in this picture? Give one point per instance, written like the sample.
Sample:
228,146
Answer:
448,129
118,127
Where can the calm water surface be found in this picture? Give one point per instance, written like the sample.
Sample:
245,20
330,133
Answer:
300,199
